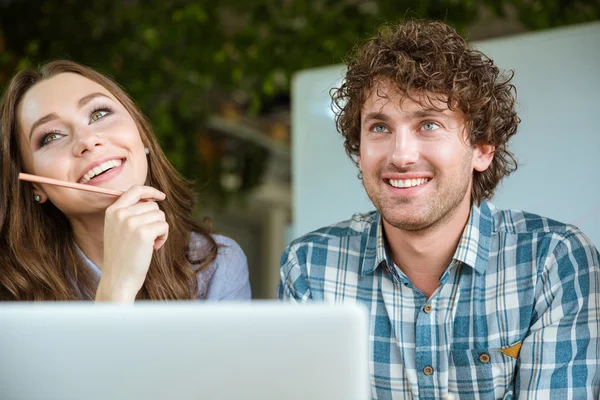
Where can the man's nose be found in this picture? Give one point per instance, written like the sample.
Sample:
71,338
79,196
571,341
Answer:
404,150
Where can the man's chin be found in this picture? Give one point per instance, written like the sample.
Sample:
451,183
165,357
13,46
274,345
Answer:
410,223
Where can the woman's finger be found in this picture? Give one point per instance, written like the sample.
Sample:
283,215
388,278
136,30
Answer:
136,193
161,239
157,232
141,221
140,208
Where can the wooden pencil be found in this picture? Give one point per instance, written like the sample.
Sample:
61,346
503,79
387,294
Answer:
79,186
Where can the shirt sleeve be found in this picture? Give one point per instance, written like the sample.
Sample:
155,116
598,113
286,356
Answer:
293,284
560,355
231,279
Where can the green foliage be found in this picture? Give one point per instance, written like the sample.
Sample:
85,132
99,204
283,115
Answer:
179,58
544,14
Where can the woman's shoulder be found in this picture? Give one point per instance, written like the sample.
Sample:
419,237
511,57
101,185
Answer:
230,280
227,248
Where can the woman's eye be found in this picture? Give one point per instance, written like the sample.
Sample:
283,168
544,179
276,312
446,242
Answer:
96,115
50,137
430,126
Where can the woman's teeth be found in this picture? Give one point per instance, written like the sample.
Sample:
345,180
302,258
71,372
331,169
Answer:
105,166
407,183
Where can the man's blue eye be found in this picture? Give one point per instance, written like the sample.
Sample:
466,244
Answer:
430,126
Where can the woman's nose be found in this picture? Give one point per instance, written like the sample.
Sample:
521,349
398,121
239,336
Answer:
86,140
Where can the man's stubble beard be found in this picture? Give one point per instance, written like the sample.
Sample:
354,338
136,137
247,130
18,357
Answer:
438,208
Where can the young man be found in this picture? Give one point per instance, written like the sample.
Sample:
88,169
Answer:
465,299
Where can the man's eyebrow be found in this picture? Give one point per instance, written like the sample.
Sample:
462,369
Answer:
428,113
376,116
86,99
41,121
379,116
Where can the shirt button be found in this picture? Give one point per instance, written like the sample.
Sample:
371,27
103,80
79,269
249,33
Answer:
484,358
428,370
427,308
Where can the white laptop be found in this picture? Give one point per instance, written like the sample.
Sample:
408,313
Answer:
172,351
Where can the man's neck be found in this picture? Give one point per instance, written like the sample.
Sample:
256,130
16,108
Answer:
89,236
424,255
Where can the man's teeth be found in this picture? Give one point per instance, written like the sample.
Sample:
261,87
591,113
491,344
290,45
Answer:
406,183
105,166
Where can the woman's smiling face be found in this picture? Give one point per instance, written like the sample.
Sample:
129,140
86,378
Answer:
73,129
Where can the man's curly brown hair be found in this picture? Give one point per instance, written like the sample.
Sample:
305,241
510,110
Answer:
431,57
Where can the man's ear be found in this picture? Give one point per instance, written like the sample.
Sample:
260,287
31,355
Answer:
359,175
482,156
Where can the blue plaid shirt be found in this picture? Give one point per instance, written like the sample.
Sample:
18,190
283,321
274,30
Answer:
516,314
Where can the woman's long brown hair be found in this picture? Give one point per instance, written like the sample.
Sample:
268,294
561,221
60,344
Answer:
39,259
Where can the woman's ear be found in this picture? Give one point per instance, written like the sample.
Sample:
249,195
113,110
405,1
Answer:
38,194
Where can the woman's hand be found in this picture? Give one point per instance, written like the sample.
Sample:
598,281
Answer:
134,227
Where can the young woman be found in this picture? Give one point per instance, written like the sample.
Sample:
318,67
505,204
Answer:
68,122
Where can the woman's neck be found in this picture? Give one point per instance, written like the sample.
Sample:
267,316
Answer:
88,231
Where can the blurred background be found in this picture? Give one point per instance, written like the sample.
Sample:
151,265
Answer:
215,79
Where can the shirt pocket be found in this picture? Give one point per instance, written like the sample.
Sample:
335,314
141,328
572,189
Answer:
481,373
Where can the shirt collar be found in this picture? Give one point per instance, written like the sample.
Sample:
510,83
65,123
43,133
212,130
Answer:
375,249
473,247
93,267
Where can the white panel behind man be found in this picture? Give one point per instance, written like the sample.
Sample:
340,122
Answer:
557,145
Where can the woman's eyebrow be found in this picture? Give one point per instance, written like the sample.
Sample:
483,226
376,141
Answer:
41,121
86,99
